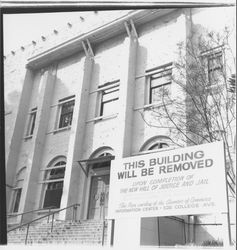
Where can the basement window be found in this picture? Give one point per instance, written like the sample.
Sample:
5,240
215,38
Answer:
109,95
31,122
159,83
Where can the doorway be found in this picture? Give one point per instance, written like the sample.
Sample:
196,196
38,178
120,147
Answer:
99,194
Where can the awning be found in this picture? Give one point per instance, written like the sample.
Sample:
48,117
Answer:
93,161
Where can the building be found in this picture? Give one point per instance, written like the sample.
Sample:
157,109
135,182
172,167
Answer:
87,97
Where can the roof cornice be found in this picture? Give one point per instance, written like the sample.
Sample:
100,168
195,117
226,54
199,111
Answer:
95,36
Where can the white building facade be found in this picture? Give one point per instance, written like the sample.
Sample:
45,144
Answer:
88,100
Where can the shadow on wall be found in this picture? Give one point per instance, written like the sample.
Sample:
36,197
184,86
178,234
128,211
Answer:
7,108
11,101
85,140
93,104
204,238
166,231
162,231
139,100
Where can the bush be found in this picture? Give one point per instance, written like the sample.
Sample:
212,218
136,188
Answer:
212,243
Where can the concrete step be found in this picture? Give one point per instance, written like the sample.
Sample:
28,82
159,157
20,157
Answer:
87,232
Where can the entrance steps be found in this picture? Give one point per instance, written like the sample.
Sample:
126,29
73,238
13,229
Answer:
87,232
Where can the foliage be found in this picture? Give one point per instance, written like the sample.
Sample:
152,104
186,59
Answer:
212,243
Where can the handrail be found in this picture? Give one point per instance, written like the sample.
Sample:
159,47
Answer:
31,211
52,213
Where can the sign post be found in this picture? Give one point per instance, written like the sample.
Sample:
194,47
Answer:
183,181
226,215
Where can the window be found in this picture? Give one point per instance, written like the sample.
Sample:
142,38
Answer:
159,83
102,164
66,112
156,142
213,61
17,197
158,146
215,66
18,190
54,184
31,123
109,98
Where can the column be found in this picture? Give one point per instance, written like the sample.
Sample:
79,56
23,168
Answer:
74,177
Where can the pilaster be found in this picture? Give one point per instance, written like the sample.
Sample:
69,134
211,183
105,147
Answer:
127,231
126,97
74,177
16,140
42,117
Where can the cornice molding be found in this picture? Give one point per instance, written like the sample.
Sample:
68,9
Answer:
95,37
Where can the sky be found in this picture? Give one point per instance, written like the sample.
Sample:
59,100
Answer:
20,29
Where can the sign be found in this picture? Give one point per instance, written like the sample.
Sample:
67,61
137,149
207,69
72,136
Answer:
177,182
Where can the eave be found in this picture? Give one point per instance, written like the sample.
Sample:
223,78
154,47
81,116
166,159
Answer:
95,37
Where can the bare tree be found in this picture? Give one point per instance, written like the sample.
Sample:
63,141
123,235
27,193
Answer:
203,107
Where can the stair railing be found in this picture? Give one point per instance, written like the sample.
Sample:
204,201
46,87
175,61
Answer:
31,211
74,213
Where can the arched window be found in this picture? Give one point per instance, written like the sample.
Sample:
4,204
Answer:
157,142
102,164
54,176
100,153
18,190
158,145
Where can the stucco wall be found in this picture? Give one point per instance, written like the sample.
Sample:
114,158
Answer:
157,46
107,63
15,62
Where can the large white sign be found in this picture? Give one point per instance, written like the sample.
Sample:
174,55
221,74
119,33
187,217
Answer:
177,182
